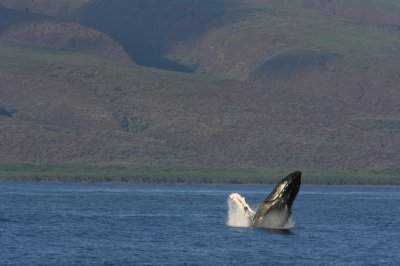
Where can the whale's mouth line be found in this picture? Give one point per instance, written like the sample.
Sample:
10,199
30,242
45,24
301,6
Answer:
273,213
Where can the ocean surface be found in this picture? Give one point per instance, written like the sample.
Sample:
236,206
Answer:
126,224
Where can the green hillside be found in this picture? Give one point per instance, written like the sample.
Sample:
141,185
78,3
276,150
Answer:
258,89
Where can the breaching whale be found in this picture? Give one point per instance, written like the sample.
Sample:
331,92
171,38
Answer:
274,212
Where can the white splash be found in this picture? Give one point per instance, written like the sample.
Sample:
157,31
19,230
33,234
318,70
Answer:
240,214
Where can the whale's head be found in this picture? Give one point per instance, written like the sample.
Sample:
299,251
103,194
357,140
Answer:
280,200
285,192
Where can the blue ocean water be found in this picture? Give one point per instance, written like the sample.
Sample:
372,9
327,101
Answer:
126,224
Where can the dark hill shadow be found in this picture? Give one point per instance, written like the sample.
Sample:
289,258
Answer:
289,62
9,17
147,28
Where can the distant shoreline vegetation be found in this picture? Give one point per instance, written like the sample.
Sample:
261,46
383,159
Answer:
154,174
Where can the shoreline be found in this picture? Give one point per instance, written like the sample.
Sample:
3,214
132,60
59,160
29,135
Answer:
186,174
190,181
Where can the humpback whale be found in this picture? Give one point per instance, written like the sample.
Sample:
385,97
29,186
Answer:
274,212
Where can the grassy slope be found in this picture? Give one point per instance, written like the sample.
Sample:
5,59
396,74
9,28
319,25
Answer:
120,170
183,174
201,128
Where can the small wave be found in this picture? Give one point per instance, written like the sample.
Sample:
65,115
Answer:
5,220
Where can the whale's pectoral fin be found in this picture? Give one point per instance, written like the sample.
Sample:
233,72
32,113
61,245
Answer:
239,214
